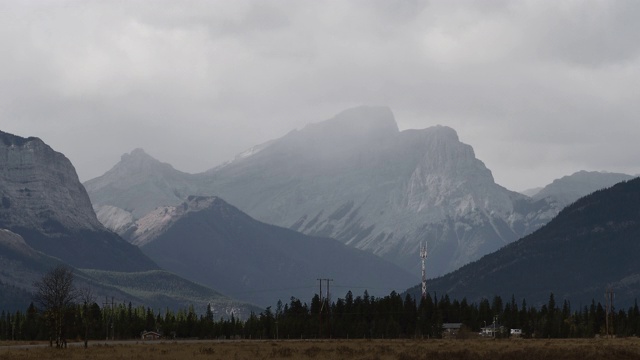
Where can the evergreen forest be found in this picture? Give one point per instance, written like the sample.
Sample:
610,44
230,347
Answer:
389,317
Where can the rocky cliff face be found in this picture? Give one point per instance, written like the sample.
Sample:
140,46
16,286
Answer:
40,188
358,179
43,201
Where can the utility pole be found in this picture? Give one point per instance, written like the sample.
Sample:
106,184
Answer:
113,330
329,306
320,312
609,295
109,317
495,318
323,301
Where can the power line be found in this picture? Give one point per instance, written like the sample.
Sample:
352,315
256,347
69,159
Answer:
111,307
323,301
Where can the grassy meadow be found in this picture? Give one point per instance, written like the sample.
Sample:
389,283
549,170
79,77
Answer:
583,349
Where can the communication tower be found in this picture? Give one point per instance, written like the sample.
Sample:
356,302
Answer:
423,256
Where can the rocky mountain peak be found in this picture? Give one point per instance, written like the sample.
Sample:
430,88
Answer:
351,130
443,132
13,140
360,122
138,156
374,118
139,175
43,201
139,161
446,175
135,166
39,188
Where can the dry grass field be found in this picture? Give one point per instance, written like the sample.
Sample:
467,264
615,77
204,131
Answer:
341,349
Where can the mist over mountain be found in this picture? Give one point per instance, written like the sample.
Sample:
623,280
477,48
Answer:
590,246
358,179
209,241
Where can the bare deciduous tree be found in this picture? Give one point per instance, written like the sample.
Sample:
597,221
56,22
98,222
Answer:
87,298
55,293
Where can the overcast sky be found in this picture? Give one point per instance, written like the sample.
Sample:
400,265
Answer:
540,89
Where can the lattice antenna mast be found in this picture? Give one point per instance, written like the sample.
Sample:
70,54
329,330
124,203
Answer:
423,256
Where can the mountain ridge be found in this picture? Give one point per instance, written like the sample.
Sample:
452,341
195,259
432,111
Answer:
377,196
570,188
206,237
156,182
358,179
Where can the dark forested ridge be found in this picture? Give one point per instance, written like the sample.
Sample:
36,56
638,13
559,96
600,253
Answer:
592,245
216,244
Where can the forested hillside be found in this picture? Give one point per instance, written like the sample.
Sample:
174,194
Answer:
591,246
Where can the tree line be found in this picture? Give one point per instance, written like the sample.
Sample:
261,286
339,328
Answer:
394,316
62,312
363,316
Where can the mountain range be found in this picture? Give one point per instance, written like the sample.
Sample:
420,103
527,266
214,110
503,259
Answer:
46,219
355,178
589,247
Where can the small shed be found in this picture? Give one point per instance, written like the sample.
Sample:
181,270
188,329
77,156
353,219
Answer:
450,330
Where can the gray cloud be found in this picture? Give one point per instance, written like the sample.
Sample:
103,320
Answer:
539,88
